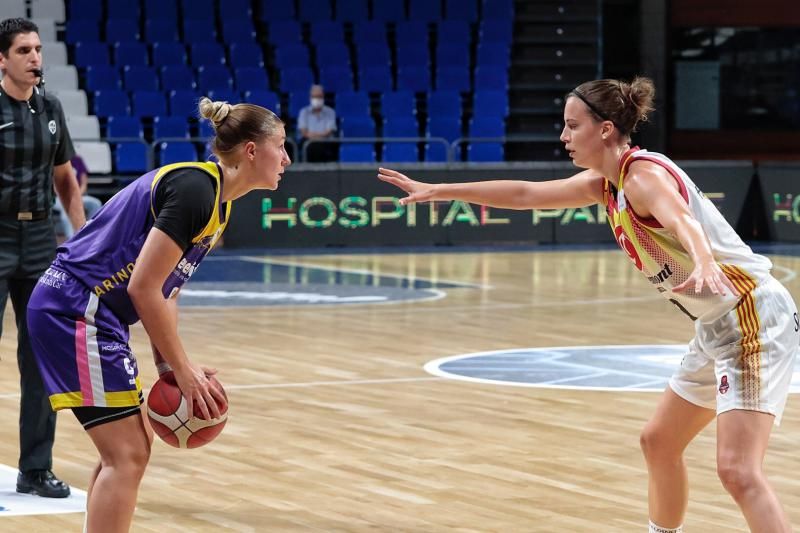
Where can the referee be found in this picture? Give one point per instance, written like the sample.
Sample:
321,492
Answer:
35,149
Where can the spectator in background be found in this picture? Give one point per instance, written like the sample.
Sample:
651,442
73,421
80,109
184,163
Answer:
318,121
90,204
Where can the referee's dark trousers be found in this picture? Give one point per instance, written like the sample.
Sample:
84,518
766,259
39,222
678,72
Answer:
26,249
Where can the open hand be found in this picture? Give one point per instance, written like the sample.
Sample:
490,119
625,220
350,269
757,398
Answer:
708,275
199,390
417,191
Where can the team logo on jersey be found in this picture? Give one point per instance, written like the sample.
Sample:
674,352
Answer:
52,126
723,385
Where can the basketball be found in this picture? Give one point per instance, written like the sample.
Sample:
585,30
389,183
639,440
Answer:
167,411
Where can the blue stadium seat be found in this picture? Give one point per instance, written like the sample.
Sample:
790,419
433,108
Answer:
149,104
357,153
498,9
139,78
357,126
130,157
170,126
176,152
416,79
85,10
183,103
238,31
388,11
111,102
246,55
413,55
122,30
327,31
496,31
89,53
236,10
452,55
276,10
315,10
297,101
462,10
130,53
205,129
448,127
102,77
351,10
333,54
161,30
352,104
176,78
161,10
399,103
494,54
82,30
292,55
168,53
455,32
296,79
491,103
123,126
122,10
207,54
225,95
266,99
211,77
250,78
411,32
373,54
375,79
445,104
485,152
452,79
424,10
491,78
369,32
485,126
199,31
198,9
400,126
284,32
400,153
336,78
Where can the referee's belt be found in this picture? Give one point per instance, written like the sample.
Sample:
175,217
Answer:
26,215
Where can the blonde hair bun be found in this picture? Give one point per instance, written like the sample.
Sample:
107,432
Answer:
214,111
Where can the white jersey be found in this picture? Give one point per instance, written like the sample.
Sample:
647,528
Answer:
662,258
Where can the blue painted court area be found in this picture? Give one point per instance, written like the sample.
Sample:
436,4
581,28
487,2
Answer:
626,367
251,281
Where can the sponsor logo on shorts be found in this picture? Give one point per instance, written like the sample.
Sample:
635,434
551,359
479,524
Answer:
723,385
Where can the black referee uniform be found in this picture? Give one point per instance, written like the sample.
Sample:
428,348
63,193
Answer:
33,139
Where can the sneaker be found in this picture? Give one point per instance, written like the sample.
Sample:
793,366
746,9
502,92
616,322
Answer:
42,483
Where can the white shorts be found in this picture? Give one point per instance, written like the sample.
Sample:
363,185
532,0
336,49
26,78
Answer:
744,359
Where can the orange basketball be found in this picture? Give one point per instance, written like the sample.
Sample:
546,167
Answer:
167,411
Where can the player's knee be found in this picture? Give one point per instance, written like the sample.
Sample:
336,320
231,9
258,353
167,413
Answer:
655,444
131,459
738,479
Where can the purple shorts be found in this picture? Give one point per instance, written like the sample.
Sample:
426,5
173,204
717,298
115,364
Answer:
80,345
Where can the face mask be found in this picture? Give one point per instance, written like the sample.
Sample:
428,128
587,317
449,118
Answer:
316,103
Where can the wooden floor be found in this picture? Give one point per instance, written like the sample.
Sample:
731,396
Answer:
335,426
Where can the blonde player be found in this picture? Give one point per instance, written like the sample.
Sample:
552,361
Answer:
738,367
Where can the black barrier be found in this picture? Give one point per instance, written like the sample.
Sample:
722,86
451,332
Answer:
780,189
351,207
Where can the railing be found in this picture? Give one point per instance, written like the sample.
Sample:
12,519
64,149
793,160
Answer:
373,140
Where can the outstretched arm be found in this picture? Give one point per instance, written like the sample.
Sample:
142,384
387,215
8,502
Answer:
652,192
580,190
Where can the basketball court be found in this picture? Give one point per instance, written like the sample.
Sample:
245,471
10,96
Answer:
455,390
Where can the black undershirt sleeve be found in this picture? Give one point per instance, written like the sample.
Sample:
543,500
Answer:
183,203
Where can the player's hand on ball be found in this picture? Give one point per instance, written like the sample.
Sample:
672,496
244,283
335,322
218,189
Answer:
417,191
197,389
